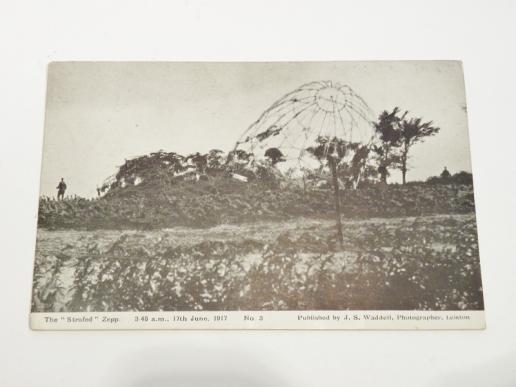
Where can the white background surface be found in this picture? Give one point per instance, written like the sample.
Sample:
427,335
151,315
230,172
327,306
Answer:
481,33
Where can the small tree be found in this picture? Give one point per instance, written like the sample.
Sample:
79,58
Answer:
199,160
411,132
215,160
274,155
331,151
343,158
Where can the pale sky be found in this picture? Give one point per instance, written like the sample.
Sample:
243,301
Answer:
100,113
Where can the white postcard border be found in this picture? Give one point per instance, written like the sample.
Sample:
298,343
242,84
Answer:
260,320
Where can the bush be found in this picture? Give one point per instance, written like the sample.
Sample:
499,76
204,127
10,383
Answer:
460,178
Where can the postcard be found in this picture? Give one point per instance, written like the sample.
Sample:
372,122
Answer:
266,195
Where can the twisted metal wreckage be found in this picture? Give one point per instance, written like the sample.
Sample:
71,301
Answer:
319,126
323,123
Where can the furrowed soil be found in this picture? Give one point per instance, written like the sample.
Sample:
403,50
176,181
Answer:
396,263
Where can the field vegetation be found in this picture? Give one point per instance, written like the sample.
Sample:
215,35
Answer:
398,264
222,200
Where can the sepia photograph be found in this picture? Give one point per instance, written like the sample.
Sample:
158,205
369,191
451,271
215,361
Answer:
256,186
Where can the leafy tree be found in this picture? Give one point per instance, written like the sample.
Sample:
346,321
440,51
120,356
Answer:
344,159
397,135
413,131
274,155
215,159
388,129
199,160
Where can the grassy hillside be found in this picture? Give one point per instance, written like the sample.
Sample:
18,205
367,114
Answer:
222,200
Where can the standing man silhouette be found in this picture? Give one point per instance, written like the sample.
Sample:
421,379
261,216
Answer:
445,174
61,189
